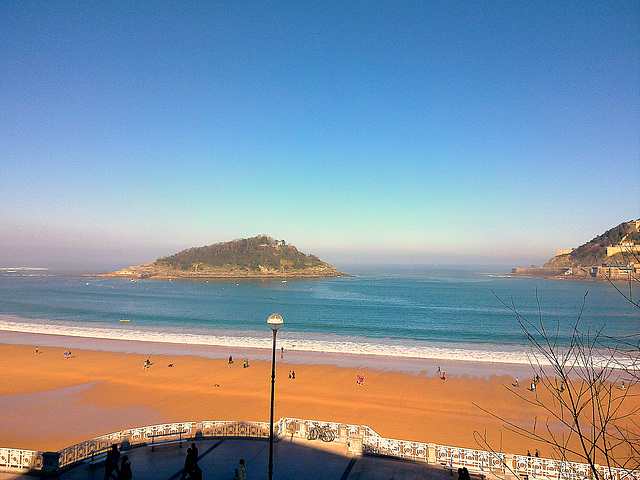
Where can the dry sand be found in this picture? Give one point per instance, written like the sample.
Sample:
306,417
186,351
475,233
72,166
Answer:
48,402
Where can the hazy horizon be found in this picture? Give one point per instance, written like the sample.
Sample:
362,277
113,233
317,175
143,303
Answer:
373,132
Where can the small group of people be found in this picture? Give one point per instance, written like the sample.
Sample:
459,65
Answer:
292,374
147,363
463,474
191,468
537,453
246,363
441,373
535,383
111,468
360,379
67,354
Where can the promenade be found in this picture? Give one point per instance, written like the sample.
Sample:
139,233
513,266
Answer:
294,458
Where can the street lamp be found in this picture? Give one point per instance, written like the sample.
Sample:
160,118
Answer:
274,322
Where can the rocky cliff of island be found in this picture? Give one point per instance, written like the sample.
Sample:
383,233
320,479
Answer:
258,257
613,255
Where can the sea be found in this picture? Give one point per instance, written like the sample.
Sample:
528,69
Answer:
423,312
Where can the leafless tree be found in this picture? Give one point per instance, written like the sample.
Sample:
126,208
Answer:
587,399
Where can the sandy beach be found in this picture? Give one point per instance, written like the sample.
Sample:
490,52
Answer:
48,401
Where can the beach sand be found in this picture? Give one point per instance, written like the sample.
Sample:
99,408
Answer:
48,402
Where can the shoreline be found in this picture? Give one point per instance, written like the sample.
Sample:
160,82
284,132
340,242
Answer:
409,365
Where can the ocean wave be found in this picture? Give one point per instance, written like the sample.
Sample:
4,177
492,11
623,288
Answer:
290,341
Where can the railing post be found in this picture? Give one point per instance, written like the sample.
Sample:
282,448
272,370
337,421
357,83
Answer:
509,465
126,441
50,463
431,459
343,433
355,444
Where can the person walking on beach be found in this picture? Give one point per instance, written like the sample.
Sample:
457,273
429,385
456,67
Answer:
111,463
293,374
230,359
516,383
281,353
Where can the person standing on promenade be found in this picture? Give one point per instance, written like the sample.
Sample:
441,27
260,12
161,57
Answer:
241,471
111,463
189,462
125,469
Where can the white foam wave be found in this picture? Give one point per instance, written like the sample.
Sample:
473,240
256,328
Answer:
289,340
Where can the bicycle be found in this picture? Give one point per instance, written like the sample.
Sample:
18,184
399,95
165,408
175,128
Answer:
323,433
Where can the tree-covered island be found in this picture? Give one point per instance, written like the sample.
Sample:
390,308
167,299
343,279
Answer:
257,257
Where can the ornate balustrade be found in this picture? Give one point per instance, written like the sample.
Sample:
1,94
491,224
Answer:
20,460
613,473
237,429
480,460
489,462
547,468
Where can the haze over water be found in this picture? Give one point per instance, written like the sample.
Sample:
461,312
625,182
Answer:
423,312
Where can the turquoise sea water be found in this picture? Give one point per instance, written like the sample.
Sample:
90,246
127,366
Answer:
424,312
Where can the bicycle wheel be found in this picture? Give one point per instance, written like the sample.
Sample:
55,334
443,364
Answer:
312,434
327,435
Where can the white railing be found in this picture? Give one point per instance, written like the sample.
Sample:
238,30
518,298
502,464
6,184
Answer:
452,457
214,428
479,460
134,436
20,460
536,467
614,473
300,427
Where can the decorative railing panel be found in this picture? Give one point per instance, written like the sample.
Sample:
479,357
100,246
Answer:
536,467
396,448
13,458
476,459
83,450
294,426
237,429
162,432
618,473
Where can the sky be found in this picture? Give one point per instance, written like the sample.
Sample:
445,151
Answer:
428,132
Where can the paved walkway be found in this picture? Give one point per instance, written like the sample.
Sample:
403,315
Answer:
295,459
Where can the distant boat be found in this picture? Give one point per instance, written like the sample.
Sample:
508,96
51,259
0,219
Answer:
125,320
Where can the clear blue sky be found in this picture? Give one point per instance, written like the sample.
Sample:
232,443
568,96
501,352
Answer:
420,132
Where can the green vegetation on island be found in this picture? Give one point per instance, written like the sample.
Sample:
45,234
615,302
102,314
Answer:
615,254
259,257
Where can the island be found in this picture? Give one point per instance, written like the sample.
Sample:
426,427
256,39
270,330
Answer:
258,257
614,255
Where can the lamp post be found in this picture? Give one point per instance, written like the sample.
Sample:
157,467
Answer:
274,322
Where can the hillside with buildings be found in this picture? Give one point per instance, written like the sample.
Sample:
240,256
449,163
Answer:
256,257
615,254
